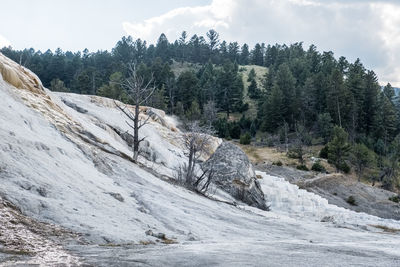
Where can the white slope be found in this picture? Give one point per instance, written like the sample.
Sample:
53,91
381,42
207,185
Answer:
53,174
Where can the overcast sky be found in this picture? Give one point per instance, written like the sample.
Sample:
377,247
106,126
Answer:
369,30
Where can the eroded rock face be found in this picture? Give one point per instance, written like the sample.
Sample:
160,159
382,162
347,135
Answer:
234,174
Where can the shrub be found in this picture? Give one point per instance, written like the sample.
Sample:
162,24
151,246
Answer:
351,200
344,167
235,131
244,107
395,198
277,163
318,167
302,167
292,154
324,152
245,139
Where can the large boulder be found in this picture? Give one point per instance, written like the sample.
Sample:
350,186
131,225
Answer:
234,174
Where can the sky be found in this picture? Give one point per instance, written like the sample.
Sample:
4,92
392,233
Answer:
365,29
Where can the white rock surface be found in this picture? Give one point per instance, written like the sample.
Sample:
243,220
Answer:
54,165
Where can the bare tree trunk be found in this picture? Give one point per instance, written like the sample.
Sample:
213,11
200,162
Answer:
285,128
136,134
139,93
338,109
190,171
93,84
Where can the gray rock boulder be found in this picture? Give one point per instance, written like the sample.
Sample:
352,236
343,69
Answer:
234,174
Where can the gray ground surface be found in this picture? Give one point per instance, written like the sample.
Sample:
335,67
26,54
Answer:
258,253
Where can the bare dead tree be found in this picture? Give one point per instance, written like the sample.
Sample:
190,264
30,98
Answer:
196,141
210,112
139,91
203,182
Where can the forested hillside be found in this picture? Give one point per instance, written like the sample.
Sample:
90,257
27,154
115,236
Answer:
300,96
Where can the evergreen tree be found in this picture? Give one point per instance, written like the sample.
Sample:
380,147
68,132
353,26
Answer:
286,84
361,157
325,126
338,148
187,86
244,55
213,38
193,113
57,85
113,88
158,99
230,88
253,89
257,56
273,110
162,48
233,51
370,104
385,118
252,75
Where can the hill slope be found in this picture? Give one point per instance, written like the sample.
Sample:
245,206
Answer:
63,161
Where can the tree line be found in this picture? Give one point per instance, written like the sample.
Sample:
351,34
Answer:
301,87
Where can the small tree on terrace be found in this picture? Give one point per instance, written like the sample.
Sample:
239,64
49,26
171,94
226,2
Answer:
302,139
338,147
361,157
196,141
139,91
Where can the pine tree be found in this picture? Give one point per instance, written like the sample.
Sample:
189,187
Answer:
244,55
338,148
286,83
257,56
385,119
372,89
325,126
193,113
230,88
162,48
253,89
187,86
114,88
361,157
337,98
273,110
252,75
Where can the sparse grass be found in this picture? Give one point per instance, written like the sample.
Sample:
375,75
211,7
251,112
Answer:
169,241
146,242
259,154
260,72
178,67
385,228
251,152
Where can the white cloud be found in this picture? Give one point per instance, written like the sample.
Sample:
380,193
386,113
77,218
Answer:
4,42
366,29
199,19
